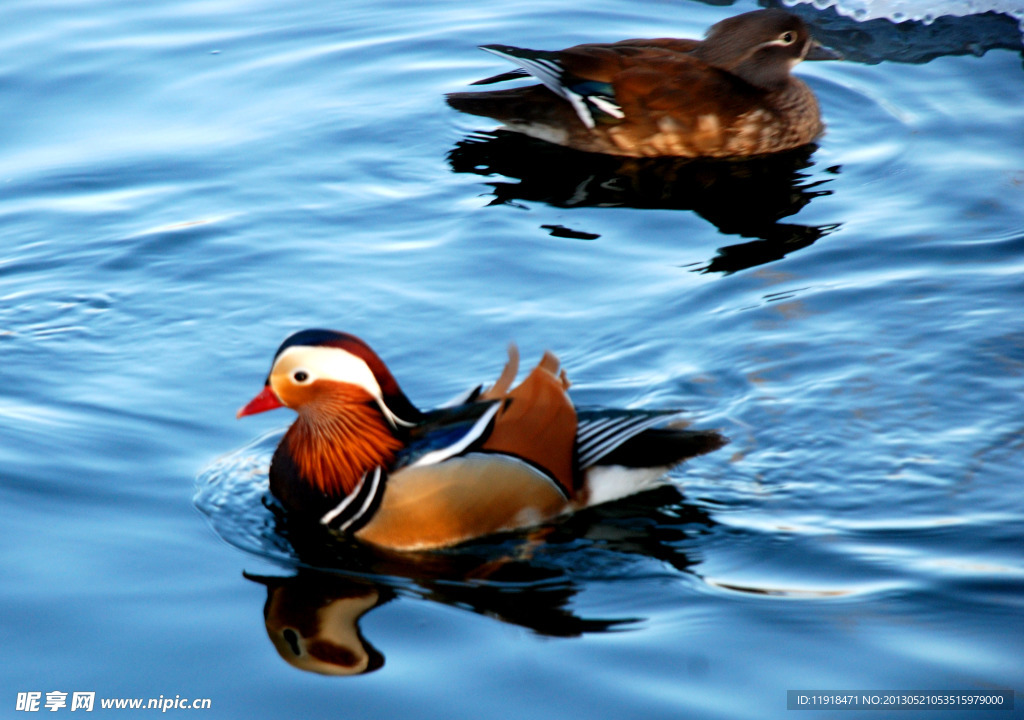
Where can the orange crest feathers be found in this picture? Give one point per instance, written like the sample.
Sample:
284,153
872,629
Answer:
538,423
508,376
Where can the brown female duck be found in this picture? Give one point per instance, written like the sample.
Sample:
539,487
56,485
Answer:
730,95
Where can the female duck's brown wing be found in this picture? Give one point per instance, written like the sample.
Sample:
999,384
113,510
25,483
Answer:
602,62
597,61
635,97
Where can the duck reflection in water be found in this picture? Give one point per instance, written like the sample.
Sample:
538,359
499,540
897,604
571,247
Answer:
527,579
766,189
313,621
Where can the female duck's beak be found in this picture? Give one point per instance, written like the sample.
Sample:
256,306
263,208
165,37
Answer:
266,400
820,52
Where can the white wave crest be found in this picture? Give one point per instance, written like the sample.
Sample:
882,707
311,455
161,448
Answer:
918,10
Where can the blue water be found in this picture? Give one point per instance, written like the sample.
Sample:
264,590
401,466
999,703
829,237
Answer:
182,184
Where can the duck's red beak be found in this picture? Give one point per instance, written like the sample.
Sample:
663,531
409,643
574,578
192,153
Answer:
266,400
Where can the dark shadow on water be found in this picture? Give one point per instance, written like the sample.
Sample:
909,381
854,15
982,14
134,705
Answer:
527,579
784,239
740,197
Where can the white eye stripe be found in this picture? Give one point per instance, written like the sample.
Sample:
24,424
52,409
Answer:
331,363
784,40
327,363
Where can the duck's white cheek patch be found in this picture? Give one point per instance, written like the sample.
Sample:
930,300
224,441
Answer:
326,363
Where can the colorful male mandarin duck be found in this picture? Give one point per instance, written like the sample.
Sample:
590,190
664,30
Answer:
730,95
362,459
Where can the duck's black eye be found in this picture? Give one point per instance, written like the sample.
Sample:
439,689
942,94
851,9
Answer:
300,376
292,638
787,38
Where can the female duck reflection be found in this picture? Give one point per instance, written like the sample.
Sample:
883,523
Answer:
766,188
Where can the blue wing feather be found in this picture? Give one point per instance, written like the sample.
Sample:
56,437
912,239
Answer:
447,432
592,100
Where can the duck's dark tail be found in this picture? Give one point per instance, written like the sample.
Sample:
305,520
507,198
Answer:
663,447
525,105
639,439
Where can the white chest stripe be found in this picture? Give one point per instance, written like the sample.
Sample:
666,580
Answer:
436,456
367,499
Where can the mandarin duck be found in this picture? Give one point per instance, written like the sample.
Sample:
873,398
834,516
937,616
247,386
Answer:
361,459
730,95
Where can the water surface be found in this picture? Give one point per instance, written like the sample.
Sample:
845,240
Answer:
184,184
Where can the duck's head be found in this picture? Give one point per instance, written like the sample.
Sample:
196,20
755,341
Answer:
317,370
761,47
